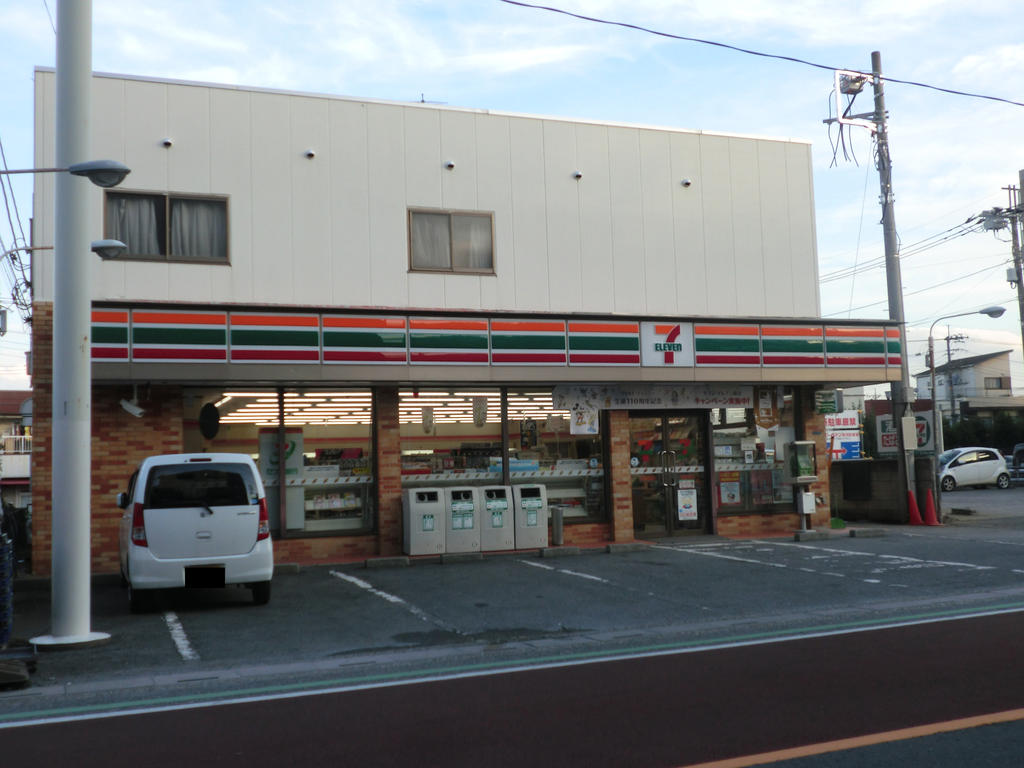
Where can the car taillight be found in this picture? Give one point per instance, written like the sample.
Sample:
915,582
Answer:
138,526
263,531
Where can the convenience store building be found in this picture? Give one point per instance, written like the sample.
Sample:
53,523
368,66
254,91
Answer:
398,296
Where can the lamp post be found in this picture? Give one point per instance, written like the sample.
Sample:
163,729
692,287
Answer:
71,415
102,173
992,312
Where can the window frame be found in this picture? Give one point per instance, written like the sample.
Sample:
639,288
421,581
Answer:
451,269
167,198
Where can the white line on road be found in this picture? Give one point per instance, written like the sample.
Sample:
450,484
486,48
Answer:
418,613
185,649
694,551
566,571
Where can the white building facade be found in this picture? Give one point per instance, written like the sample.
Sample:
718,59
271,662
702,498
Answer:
401,296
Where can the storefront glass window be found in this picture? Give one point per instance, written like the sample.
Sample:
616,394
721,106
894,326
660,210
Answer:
454,437
328,458
542,450
750,450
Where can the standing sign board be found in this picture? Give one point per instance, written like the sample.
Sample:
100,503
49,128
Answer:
886,430
842,435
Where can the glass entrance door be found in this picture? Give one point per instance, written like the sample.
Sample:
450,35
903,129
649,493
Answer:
667,454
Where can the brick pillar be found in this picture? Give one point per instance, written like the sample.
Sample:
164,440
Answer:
119,442
621,482
814,429
389,471
42,438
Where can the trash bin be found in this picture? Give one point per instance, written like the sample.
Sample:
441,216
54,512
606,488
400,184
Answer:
423,516
497,521
463,530
531,516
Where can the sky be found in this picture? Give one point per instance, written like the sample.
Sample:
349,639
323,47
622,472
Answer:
952,155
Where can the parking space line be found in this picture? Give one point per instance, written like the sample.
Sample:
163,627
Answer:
537,565
703,553
566,571
181,642
417,612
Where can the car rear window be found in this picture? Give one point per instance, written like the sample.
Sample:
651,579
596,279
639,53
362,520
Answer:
211,485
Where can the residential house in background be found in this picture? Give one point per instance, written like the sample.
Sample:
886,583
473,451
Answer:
977,386
15,448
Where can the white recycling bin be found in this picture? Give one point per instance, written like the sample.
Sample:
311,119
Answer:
423,521
462,509
497,521
531,516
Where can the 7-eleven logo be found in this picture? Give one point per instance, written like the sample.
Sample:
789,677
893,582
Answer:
669,346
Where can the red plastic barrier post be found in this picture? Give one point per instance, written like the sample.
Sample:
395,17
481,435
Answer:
915,516
930,518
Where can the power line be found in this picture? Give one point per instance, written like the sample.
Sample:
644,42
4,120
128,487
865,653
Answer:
925,244
923,290
751,52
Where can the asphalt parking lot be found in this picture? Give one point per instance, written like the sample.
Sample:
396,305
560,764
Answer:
343,622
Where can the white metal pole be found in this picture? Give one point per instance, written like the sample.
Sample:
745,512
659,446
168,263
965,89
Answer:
72,411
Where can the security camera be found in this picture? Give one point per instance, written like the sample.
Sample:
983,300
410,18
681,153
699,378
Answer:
310,154
578,175
132,408
450,164
167,142
687,182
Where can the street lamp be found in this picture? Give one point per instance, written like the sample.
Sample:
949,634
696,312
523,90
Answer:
992,312
102,173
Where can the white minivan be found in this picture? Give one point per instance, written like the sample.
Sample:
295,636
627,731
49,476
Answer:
195,520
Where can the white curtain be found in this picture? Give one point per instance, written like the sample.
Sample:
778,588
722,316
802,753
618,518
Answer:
137,221
430,240
199,229
471,242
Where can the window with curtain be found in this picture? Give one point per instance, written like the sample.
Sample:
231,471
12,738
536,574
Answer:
168,227
451,241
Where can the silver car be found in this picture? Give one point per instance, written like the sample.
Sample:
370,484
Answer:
972,466
195,520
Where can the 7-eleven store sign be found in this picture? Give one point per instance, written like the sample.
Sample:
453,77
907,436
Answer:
666,344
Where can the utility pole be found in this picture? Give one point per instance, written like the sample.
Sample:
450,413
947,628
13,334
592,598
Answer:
899,393
1014,221
850,84
949,372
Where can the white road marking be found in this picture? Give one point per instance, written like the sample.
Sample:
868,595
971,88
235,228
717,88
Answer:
566,571
418,613
694,551
537,565
185,649
582,575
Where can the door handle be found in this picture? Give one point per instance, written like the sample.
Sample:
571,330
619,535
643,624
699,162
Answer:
673,477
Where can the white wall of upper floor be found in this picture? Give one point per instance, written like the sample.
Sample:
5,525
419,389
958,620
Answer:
332,230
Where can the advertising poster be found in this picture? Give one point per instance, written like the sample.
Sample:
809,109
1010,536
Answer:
686,503
729,488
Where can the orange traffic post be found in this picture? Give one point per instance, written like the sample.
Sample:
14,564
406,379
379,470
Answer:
915,516
930,518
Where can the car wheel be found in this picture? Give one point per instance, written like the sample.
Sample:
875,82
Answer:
261,593
1003,481
948,483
